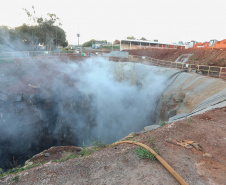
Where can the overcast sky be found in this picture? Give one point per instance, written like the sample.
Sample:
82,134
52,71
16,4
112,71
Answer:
165,20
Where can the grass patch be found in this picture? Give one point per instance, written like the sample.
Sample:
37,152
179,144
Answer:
71,156
18,169
189,120
98,144
151,139
110,47
87,151
15,179
162,123
142,153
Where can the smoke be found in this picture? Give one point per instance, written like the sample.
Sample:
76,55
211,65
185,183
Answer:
121,107
51,102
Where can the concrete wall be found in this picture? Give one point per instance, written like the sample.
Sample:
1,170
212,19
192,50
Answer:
184,93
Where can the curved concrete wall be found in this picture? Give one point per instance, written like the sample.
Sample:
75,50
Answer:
185,93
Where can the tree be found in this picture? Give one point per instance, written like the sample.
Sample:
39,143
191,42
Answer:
131,37
142,38
46,30
89,43
116,42
10,40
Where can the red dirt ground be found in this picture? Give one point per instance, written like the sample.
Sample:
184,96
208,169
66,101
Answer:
120,165
200,56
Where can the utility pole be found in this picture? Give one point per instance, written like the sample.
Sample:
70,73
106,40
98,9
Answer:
78,35
56,39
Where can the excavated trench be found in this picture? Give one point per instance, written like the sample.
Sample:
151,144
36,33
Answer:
54,103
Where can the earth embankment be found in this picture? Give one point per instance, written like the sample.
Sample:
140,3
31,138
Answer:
210,57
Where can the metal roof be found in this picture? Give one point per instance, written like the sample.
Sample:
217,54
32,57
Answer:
151,42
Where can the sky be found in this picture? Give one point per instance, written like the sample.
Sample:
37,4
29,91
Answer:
166,20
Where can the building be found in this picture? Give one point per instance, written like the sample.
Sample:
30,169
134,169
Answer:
212,44
99,43
220,44
142,44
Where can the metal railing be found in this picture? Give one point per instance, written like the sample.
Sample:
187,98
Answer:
11,55
213,71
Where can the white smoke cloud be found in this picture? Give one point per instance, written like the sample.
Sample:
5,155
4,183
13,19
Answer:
68,102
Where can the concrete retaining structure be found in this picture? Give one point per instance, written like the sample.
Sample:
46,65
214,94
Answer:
185,94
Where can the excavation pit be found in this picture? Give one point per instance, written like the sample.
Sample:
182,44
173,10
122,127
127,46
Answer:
50,102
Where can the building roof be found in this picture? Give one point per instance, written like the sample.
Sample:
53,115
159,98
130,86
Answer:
147,42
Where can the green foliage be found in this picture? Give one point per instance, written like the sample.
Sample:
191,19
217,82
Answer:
15,179
86,151
38,30
67,51
131,37
71,156
162,123
98,144
151,139
188,120
116,42
89,43
145,154
19,169
142,38
110,47
193,58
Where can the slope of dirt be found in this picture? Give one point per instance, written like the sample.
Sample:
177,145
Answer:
200,56
120,165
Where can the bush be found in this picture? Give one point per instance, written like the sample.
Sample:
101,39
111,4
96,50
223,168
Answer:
145,154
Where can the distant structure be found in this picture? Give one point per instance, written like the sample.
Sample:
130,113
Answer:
78,35
99,43
142,44
212,44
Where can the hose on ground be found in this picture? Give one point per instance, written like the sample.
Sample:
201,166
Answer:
161,160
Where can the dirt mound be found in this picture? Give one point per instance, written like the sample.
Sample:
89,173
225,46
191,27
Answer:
200,56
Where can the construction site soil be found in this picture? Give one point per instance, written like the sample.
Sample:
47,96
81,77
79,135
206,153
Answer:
118,164
210,57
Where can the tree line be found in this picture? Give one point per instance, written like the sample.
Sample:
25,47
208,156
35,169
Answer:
44,31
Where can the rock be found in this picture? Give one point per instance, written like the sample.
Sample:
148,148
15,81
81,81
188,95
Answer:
28,163
207,155
47,164
47,154
26,173
151,127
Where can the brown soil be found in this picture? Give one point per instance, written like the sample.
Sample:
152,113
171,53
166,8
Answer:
55,153
120,165
200,56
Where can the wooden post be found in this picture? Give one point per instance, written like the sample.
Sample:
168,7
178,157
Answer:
220,72
209,71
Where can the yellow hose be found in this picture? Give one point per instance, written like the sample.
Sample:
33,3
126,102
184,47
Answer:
161,160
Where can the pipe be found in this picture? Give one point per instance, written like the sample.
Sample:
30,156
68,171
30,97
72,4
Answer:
161,160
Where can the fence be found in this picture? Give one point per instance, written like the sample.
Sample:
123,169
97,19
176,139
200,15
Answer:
213,71
11,55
